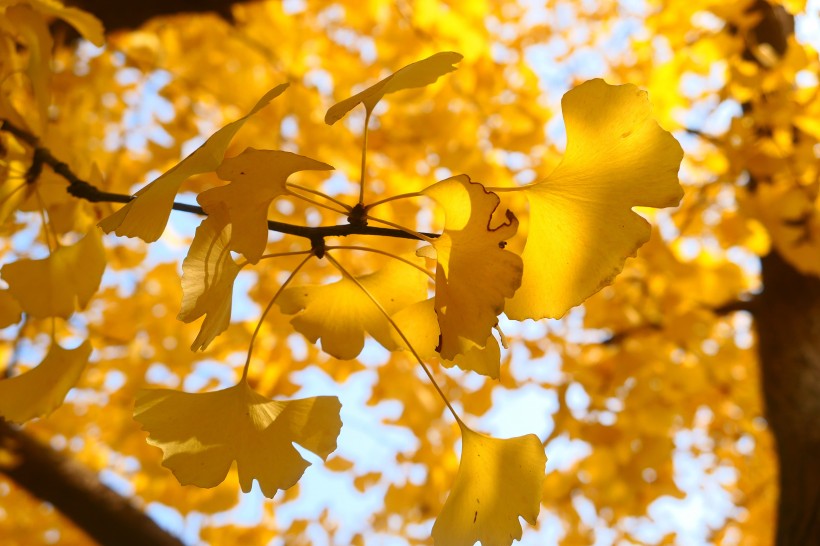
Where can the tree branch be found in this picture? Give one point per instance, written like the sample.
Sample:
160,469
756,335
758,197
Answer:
84,190
77,493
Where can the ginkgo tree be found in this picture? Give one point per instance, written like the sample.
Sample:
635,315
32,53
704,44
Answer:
421,241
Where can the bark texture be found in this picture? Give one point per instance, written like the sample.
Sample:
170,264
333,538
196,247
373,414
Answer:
77,493
130,15
787,319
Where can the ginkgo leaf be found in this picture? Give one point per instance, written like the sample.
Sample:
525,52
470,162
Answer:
340,313
582,226
474,273
417,74
497,481
146,215
55,286
419,325
85,23
33,30
201,434
39,391
208,274
257,178
10,310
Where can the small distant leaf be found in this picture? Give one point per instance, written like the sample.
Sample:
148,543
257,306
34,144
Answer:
146,215
340,313
10,310
257,178
208,274
419,325
418,74
41,390
475,273
497,481
582,226
55,286
201,434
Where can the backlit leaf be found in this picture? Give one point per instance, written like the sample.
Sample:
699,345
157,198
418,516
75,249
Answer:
475,273
86,24
146,215
420,327
257,178
582,226
39,391
418,74
10,310
497,481
201,434
340,313
55,286
208,274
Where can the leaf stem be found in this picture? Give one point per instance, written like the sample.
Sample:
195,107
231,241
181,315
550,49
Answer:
265,313
409,231
395,326
364,157
345,206
388,199
384,253
316,203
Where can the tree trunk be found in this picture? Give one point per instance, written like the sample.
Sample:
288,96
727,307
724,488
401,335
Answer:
787,319
77,493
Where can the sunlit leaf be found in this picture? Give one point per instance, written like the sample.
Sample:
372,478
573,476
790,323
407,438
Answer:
55,286
419,325
474,273
146,215
340,313
208,274
582,226
201,434
497,481
257,178
418,74
86,24
39,391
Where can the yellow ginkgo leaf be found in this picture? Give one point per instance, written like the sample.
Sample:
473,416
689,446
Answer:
417,74
208,274
419,325
146,215
474,273
39,391
10,310
497,481
582,226
257,178
86,24
32,28
55,286
340,313
201,434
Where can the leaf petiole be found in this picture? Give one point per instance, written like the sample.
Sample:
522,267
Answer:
384,253
265,313
395,197
345,206
395,326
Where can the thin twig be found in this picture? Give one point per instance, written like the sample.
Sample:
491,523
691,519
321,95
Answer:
81,189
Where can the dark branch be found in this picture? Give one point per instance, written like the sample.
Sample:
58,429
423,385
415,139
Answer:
76,492
84,190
